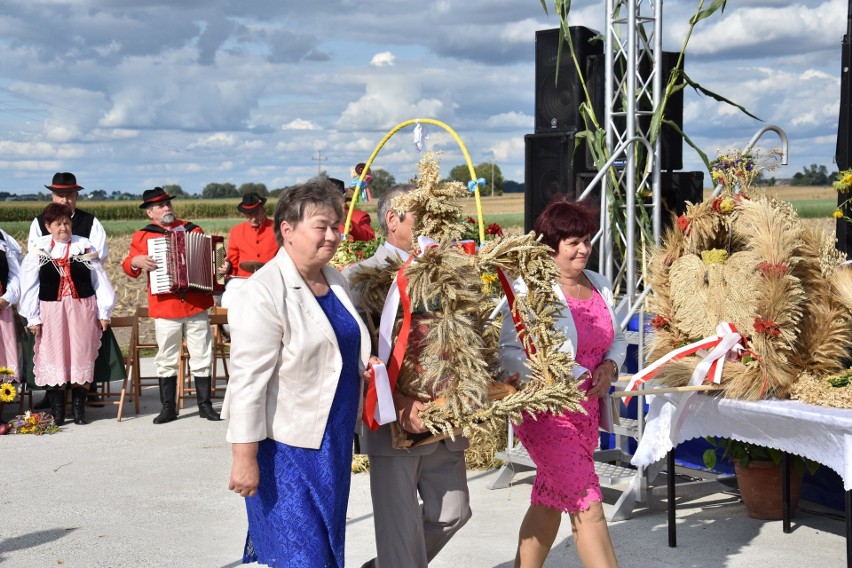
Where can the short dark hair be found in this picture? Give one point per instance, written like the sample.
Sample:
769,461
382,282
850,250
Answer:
295,200
56,211
563,219
385,203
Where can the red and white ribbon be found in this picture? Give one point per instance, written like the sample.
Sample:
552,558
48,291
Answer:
520,326
727,341
378,406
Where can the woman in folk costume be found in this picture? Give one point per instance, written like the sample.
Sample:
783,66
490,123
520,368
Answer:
10,292
67,300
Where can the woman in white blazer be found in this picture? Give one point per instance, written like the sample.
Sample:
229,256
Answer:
562,446
298,351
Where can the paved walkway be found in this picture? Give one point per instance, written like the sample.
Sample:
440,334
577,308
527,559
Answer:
133,494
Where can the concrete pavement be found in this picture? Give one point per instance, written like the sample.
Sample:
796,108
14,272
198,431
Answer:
133,494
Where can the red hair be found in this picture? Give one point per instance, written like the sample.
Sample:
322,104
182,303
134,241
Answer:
563,219
56,211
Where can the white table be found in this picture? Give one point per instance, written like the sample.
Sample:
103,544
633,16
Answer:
821,434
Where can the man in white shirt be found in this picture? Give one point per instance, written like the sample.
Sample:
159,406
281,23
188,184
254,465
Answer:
64,190
408,533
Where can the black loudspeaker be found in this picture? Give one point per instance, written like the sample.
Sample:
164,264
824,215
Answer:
557,104
551,167
676,188
671,140
843,153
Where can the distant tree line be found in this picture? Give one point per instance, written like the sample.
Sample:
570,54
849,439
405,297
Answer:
381,181
813,175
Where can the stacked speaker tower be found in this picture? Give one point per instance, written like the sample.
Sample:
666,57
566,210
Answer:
557,162
843,153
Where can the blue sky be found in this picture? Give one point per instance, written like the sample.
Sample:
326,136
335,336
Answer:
132,94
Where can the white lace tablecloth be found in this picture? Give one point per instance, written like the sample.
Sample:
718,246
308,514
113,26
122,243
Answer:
818,433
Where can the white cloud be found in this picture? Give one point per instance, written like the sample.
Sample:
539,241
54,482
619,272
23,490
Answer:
300,124
61,133
252,145
218,140
114,133
383,59
177,91
767,31
510,120
30,165
26,150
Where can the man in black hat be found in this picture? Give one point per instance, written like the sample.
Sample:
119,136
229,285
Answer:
64,190
176,316
360,228
252,243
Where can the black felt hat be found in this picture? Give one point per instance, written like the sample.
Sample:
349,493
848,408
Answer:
152,196
64,182
339,184
251,202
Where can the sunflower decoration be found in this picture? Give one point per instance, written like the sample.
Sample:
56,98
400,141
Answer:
451,359
8,392
745,258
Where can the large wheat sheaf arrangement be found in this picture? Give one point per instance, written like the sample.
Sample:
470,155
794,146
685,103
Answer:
747,259
450,364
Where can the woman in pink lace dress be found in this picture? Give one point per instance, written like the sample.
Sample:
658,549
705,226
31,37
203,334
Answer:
562,446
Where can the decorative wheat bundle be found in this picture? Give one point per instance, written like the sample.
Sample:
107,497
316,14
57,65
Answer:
747,259
448,362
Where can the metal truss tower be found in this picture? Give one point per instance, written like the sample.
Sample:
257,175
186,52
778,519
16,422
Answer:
631,211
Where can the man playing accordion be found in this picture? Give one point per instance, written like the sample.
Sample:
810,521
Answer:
176,315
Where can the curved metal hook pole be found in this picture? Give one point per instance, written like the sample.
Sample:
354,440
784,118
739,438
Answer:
757,135
620,149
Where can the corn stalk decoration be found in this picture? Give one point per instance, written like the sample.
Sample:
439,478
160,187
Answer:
594,135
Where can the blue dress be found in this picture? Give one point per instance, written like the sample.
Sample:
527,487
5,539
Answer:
298,517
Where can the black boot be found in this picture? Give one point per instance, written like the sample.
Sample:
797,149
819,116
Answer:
56,397
78,404
168,398
202,395
44,403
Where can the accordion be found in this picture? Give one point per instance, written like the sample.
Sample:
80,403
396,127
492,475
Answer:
187,262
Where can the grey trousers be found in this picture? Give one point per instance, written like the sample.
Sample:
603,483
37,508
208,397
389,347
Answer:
409,534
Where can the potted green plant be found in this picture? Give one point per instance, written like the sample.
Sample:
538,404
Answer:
758,471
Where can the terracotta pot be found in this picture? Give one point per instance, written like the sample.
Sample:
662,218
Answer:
760,489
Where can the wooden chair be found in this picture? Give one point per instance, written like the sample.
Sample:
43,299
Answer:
130,367
24,391
137,346
221,347
185,384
